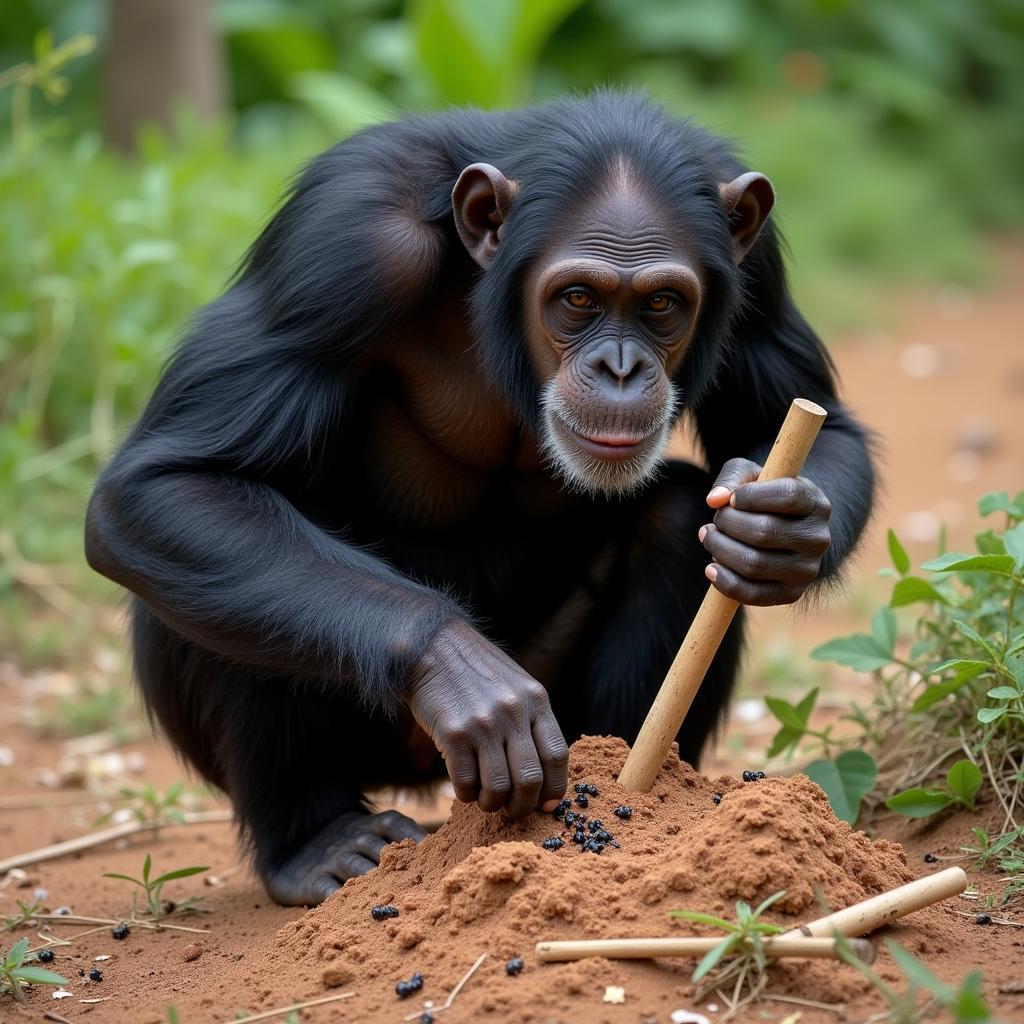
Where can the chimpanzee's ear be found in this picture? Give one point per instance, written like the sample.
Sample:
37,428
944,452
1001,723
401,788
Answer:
748,200
481,201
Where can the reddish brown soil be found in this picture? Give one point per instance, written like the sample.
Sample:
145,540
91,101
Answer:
923,423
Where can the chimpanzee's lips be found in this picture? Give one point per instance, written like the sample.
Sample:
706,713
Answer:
611,446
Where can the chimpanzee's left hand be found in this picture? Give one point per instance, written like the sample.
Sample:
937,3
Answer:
767,539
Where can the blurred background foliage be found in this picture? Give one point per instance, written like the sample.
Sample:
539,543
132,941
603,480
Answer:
891,130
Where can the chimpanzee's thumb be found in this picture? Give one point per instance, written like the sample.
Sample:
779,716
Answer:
734,473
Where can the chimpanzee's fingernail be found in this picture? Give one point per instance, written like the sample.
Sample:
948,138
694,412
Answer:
711,572
702,533
717,493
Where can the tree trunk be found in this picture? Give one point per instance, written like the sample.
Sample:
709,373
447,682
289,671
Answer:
161,53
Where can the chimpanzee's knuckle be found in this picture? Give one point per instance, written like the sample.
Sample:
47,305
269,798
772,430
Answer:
554,755
761,531
530,777
508,705
754,564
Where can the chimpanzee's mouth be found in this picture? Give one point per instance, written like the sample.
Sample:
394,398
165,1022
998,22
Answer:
611,446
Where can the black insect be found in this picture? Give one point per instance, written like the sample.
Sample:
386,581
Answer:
590,789
579,836
426,1017
95,974
582,799
404,989
602,835
122,931
623,811
559,812
580,787
716,798
571,818
553,843
983,919
382,913
514,966
930,858
593,846
45,956
594,824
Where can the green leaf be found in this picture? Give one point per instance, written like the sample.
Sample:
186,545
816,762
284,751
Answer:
1000,502
179,873
988,542
765,904
783,739
919,803
898,554
123,878
964,780
977,638
917,972
883,628
912,589
37,976
968,1003
146,865
860,652
846,781
954,562
17,954
1004,693
712,957
786,713
1014,542
988,715
698,918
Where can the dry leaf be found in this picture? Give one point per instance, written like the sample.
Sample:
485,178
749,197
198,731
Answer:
61,994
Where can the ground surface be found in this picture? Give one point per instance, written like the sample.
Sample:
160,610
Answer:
944,389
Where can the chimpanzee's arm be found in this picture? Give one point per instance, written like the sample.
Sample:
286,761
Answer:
188,515
774,358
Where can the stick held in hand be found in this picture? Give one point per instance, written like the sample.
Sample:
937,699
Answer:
709,625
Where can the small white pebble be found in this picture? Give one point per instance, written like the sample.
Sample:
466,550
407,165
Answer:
61,994
614,994
712,1007
104,956
6,757
687,1017
40,894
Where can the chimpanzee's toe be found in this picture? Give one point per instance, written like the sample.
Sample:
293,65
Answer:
349,846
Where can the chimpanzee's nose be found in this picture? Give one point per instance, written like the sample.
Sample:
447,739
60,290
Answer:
619,364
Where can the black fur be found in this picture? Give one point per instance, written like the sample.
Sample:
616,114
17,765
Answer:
278,614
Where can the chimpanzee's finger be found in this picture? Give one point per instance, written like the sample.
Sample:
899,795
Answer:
750,592
350,864
325,885
462,770
757,563
791,496
495,777
369,844
733,474
394,826
553,752
527,774
780,533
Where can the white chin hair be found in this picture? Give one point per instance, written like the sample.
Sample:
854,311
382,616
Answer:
589,474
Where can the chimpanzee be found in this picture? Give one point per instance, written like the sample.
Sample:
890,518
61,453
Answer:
400,504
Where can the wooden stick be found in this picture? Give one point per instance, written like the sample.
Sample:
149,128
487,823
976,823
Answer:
687,672
267,1014
643,949
91,839
887,907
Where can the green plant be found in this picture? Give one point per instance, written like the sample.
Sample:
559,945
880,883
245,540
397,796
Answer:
26,912
153,887
17,970
149,806
744,941
986,849
963,780
964,1004
957,688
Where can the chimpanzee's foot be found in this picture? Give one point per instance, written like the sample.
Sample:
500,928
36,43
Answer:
349,846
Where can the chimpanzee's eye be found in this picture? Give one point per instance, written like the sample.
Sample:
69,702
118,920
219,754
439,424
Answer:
659,303
579,299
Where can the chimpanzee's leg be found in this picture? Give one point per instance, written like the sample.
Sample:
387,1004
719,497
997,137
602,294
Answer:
294,757
642,612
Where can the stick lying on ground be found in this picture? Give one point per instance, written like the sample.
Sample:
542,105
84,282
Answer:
711,621
809,940
887,907
641,949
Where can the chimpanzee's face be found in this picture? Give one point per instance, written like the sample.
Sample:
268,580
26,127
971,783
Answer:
609,314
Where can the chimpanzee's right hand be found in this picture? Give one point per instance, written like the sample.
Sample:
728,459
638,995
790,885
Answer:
491,721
